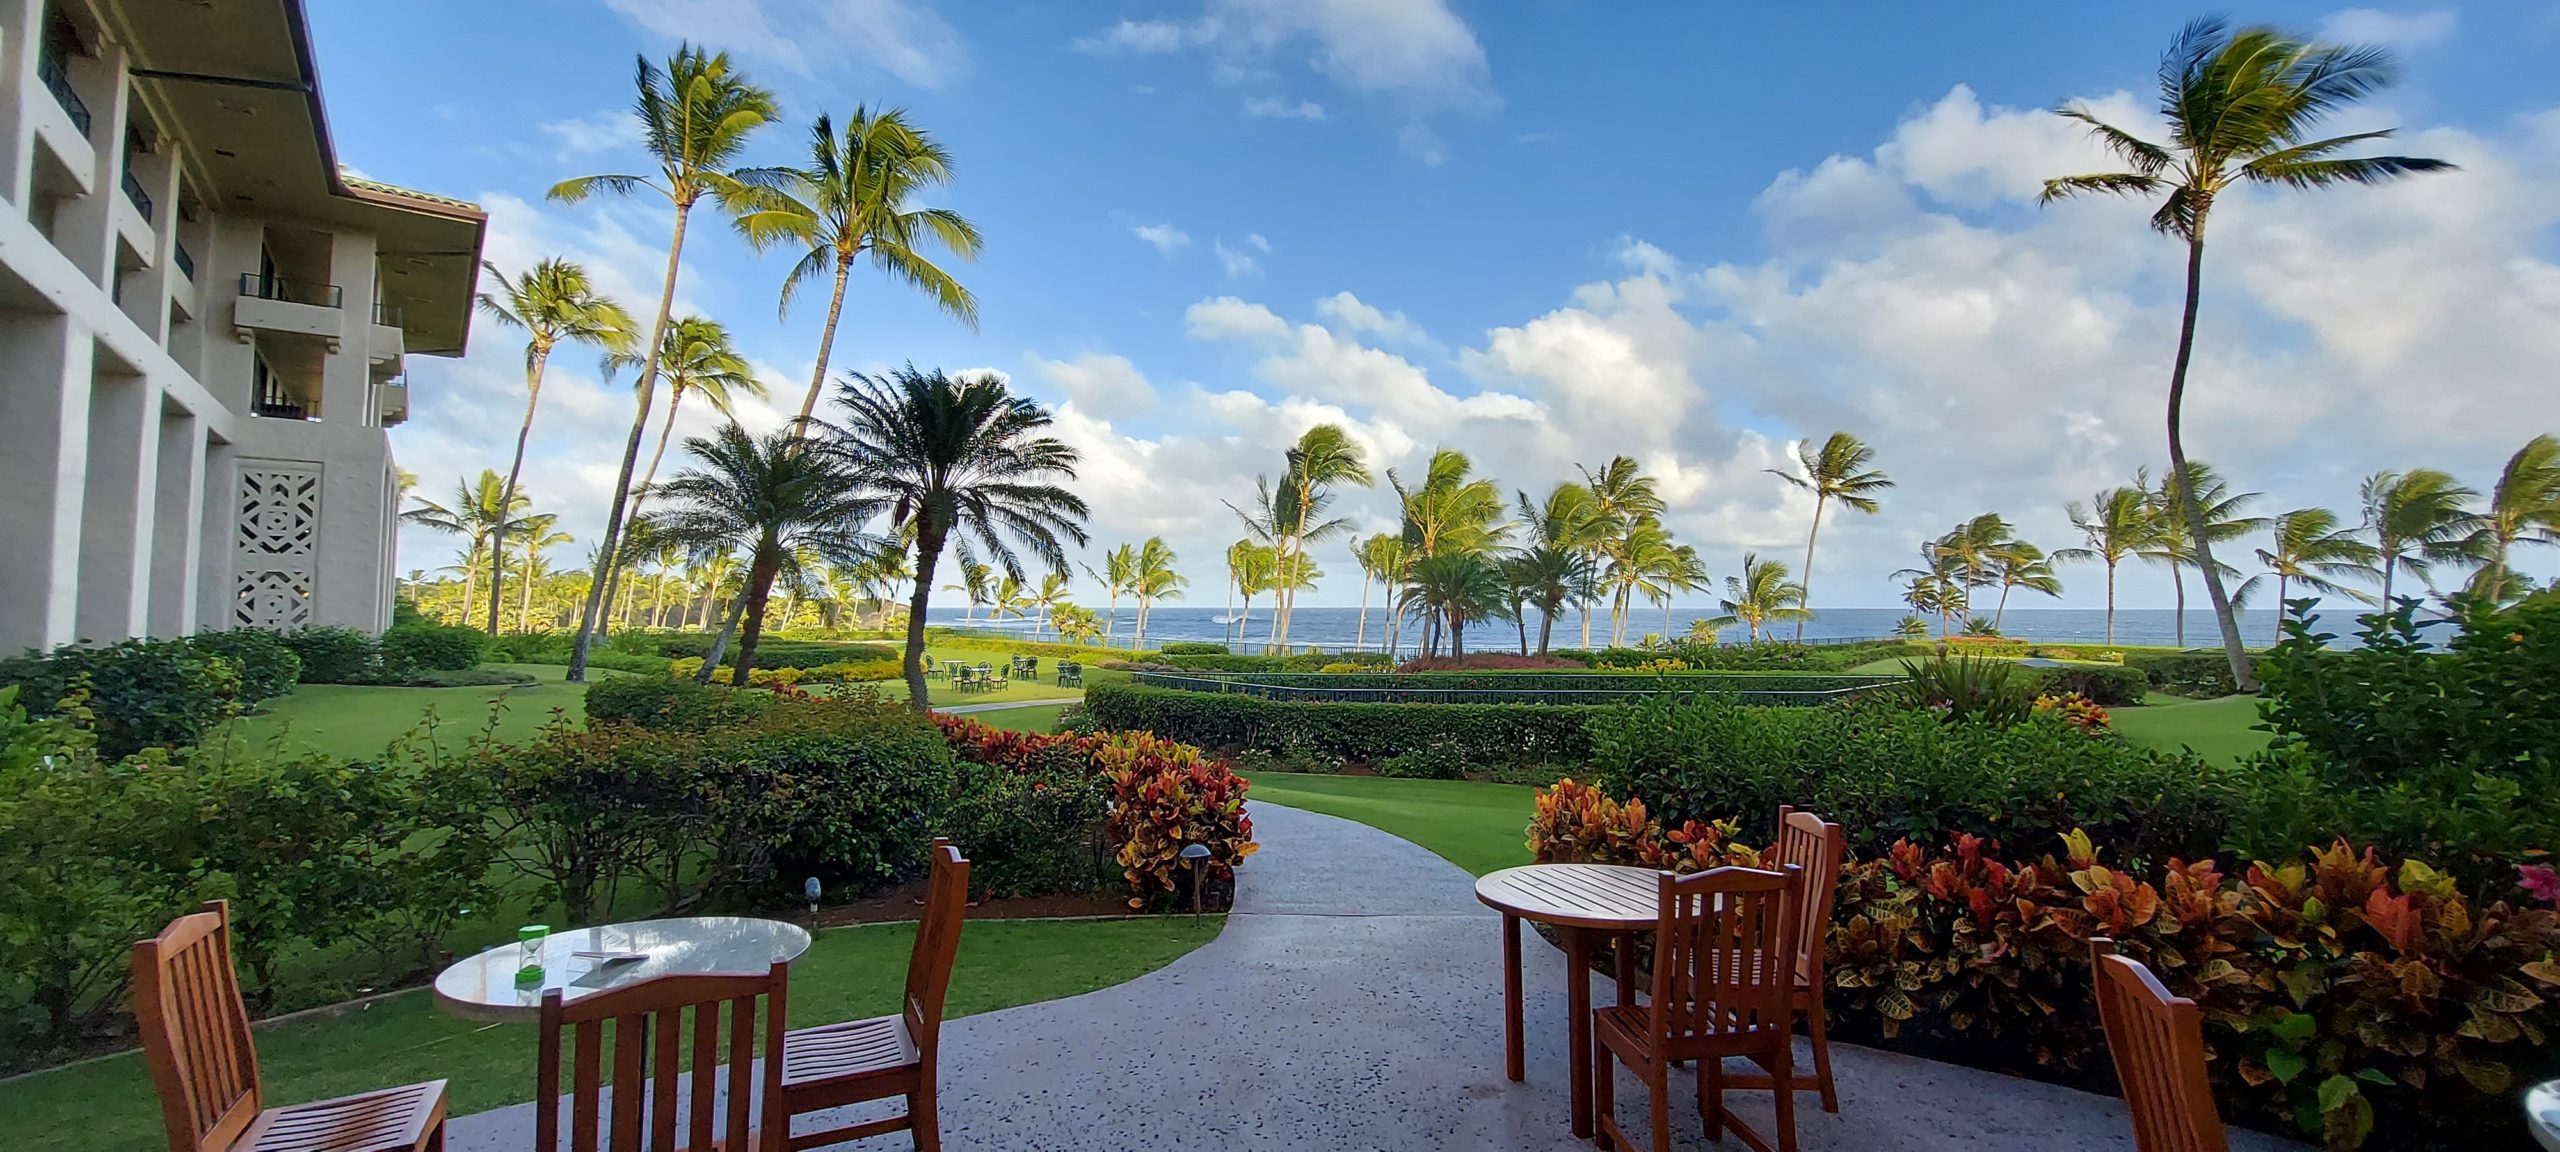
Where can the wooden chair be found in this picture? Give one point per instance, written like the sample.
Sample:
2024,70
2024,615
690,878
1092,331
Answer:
1723,986
2158,1043
1818,847
835,1065
195,1034
648,1070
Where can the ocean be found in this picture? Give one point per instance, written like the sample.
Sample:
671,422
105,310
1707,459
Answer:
1339,629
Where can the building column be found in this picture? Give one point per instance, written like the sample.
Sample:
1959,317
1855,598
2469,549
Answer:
46,363
87,232
21,38
177,535
217,584
121,490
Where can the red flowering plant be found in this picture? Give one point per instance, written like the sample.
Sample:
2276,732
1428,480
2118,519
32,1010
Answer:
2076,710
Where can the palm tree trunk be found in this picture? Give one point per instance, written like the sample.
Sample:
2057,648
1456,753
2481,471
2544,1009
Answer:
1807,582
759,589
507,495
2242,676
1546,628
1241,621
470,581
2178,587
2280,583
1111,623
1360,636
719,640
2390,560
929,537
598,592
1139,640
826,341
524,612
1998,614
675,400
1457,635
2111,603
1666,622
1520,616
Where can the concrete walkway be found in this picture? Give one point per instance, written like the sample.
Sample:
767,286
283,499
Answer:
1354,1002
1001,705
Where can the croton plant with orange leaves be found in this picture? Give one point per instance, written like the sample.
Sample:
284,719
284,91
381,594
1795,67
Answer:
2353,1001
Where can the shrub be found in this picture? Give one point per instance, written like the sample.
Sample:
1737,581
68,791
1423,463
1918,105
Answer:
1164,796
542,648
1192,648
1967,689
1771,656
136,694
1484,735
267,666
2114,687
336,655
2199,674
1886,773
442,647
676,705
2076,710
1485,662
1027,809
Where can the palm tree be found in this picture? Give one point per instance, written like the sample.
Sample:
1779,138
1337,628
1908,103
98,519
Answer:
1152,578
1363,554
2018,564
1455,590
2524,508
539,536
1971,546
967,462
1553,562
1393,559
697,357
2418,520
1636,558
551,302
1836,471
2117,523
481,512
1324,457
2222,520
1677,569
1760,595
1929,594
852,200
2241,108
1249,570
976,585
1119,572
784,507
2313,550
1046,598
695,117
1622,496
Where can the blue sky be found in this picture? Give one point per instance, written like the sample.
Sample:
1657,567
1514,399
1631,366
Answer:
1543,232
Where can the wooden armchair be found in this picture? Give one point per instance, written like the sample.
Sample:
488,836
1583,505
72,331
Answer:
649,1070
835,1065
1817,847
1723,985
195,1034
2158,1043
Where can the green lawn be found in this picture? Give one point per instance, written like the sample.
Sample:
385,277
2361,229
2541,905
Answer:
2219,730
1042,687
349,721
108,1105
1039,718
1478,827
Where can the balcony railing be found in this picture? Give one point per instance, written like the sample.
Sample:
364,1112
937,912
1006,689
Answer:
289,291
57,79
186,262
275,402
387,315
133,191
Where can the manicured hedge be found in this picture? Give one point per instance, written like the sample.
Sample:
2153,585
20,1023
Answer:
2203,674
1767,657
2108,684
1303,662
1488,735
1887,772
138,694
443,647
1564,681
665,702
1193,648
267,666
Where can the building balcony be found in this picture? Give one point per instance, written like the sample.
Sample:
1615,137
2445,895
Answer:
65,159
289,307
391,402
134,194
388,342
57,79
186,262
276,400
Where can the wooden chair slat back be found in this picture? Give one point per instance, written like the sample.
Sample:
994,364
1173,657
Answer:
648,1077
2158,1043
1818,847
1720,961
195,1031
946,905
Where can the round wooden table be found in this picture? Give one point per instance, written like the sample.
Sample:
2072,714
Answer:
1580,900
484,986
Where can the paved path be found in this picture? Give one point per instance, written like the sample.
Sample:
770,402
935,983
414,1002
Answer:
1354,1002
1001,705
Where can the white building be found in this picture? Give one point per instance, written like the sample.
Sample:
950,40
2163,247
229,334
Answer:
203,324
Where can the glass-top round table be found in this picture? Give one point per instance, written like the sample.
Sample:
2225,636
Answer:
485,987
2542,1113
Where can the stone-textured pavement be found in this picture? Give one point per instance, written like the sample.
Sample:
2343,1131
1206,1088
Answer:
1354,1002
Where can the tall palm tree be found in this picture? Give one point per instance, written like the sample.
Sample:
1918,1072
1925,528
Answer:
697,358
1930,595
2174,543
976,586
1119,572
2116,524
1553,561
1760,595
1151,578
1635,557
1622,496
1971,547
853,200
551,302
1394,559
2524,508
481,512
1836,471
1250,566
2242,106
2018,564
1364,554
1046,598
2313,549
784,507
969,464
2419,519
1678,569
1454,589
1325,457
540,535
695,117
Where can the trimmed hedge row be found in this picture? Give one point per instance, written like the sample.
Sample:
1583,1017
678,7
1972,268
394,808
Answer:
1568,681
1483,734
2107,684
1303,662
1768,657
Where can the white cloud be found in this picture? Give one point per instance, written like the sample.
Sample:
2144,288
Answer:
1165,237
1281,108
901,37
587,135
1144,37
1237,261
1099,383
1350,315
2401,29
1231,318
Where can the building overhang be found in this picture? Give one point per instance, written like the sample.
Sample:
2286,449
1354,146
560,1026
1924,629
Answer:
237,81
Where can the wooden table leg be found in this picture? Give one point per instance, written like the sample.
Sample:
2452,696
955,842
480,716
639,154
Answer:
1577,1004
1625,946
1515,1062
